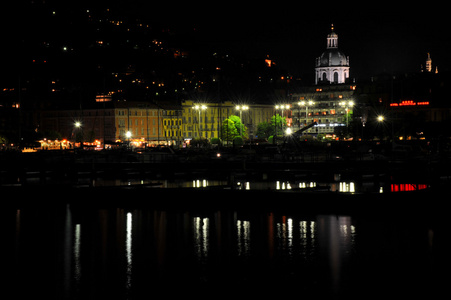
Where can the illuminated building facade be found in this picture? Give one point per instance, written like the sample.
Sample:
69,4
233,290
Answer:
330,102
204,120
330,106
172,125
137,122
429,65
332,67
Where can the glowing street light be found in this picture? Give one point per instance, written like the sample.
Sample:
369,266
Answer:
241,108
282,107
347,105
306,104
380,118
199,108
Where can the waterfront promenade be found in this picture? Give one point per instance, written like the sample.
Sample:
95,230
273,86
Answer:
225,166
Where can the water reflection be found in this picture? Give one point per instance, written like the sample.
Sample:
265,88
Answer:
201,238
128,248
77,254
243,238
123,253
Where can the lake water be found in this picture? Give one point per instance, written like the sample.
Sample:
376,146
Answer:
125,250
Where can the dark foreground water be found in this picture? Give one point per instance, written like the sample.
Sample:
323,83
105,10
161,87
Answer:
296,245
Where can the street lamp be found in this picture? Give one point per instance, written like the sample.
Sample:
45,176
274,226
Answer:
241,108
347,104
380,118
199,108
78,133
128,135
282,107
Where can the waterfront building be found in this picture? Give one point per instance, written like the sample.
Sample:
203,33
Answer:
330,101
204,120
122,121
172,124
139,122
330,106
78,125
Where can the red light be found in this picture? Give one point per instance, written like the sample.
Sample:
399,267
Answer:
405,187
409,103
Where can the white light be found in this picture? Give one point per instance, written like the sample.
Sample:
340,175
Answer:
128,248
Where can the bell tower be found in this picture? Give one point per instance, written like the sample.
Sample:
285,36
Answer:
332,39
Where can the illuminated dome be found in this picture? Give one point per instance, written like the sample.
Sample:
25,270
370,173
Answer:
332,57
333,65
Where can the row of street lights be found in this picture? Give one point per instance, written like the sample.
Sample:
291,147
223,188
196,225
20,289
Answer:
241,108
282,107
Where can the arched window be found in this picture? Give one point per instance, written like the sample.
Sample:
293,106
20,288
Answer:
335,77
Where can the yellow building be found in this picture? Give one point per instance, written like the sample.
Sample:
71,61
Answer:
205,119
172,125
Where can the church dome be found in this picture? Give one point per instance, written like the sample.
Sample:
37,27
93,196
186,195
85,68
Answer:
333,57
333,65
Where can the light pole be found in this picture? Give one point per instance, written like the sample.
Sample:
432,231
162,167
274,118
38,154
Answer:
199,108
282,107
306,104
128,135
347,104
240,108
78,136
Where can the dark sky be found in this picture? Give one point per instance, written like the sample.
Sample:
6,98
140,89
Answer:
376,37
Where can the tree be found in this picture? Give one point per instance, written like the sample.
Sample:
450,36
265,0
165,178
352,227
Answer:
264,130
232,127
277,124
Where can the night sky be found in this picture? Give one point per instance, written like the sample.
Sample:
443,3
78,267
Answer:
377,38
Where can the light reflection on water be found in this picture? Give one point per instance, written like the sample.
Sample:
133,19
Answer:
201,238
128,249
291,238
123,251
